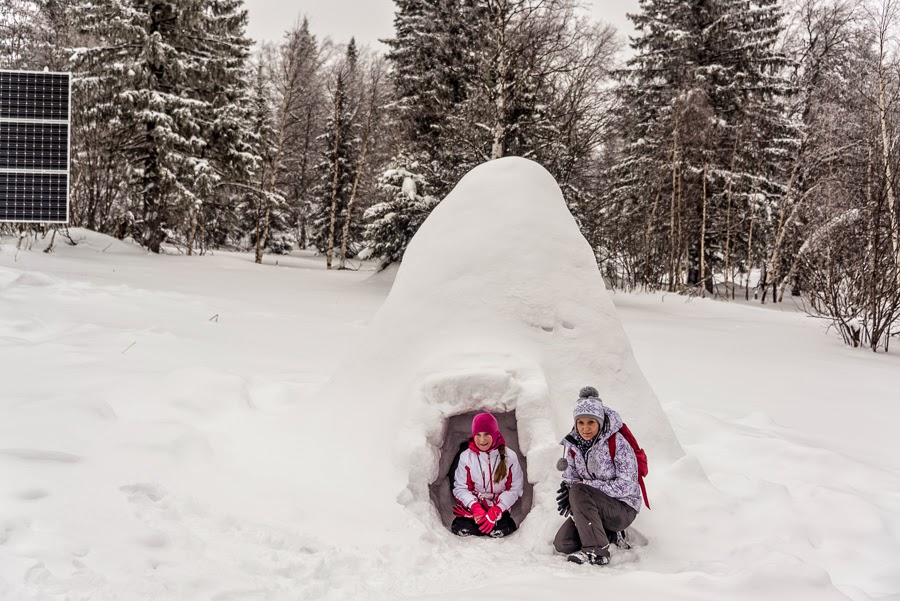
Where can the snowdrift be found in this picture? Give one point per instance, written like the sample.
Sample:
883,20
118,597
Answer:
150,452
498,306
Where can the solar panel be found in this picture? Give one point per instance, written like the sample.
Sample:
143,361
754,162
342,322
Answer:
34,146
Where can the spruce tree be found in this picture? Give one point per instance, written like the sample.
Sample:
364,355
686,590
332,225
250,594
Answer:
392,223
705,136
173,76
435,56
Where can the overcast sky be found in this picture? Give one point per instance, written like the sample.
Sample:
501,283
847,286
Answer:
370,20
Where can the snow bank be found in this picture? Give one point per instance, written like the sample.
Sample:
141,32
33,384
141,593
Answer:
497,306
148,451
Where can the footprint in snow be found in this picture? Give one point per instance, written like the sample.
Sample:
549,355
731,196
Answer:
154,540
32,494
143,490
41,455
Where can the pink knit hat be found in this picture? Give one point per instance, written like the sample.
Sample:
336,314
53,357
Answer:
485,422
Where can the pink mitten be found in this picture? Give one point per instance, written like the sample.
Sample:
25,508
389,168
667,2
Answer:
493,514
478,513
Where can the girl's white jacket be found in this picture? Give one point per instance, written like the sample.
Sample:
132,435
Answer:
474,479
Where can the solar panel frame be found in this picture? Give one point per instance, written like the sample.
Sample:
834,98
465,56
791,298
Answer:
33,120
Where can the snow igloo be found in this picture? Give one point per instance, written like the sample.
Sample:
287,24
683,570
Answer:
497,306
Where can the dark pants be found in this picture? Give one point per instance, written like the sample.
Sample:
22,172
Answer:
467,526
593,512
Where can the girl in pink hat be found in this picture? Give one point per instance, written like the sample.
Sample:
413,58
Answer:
487,482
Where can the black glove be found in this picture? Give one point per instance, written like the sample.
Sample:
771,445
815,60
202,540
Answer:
562,500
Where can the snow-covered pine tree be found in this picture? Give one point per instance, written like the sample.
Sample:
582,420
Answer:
173,76
640,204
233,142
435,55
704,133
337,167
766,139
392,223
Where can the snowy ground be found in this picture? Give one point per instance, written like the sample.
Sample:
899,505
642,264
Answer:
160,438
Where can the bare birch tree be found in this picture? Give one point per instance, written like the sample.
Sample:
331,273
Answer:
375,91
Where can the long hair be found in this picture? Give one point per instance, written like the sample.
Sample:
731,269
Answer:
501,471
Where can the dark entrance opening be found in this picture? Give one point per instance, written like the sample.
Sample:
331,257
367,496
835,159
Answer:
459,429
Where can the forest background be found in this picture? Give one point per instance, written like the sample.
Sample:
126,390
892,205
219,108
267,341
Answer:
738,149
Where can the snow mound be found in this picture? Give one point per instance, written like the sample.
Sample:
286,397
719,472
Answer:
27,279
86,242
498,306
95,242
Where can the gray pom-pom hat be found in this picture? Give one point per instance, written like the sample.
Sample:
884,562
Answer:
589,405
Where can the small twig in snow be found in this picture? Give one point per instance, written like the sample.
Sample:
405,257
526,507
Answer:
69,236
51,246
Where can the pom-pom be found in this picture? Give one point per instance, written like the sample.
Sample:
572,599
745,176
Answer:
562,464
588,392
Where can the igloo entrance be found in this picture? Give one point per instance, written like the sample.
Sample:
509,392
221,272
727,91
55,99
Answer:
459,430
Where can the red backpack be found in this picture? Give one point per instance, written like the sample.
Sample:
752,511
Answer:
643,468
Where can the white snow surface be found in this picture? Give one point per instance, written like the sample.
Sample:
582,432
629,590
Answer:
178,427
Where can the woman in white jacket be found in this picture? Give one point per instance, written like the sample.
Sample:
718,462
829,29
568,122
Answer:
487,483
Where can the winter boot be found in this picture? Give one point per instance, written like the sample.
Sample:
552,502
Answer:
582,557
618,539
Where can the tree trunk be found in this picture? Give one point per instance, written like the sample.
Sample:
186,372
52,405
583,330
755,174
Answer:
73,195
703,241
728,219
750,244
647,257
683,251
498,146
52,244
262,231
359,168
346,233
779,238
193,232
152,235
202,244
885,153
304,240
672,206
301,188
873,223
334,184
